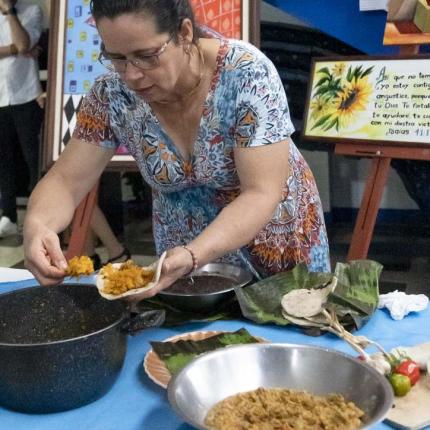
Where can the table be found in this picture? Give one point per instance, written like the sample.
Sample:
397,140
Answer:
136,403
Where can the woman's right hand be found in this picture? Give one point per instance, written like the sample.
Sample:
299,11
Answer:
177,263
43,255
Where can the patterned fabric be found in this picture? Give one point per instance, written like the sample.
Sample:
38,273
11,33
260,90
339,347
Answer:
245,107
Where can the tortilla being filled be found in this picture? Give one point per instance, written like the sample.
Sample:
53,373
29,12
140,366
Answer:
119,280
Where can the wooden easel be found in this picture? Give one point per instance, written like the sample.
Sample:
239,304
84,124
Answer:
375,182
81,224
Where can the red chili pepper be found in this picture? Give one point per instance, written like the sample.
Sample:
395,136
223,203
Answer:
410,369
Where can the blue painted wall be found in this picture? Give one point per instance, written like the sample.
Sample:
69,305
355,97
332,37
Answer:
342,19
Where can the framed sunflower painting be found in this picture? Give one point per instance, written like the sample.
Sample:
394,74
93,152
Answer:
375,100
74,48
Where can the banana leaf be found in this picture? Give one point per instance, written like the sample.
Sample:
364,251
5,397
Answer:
354,299
177,355
261,301
356,295
358,285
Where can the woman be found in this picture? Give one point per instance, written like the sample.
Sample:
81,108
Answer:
207,121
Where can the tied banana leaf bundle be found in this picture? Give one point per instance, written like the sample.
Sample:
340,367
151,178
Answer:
357,292
299,297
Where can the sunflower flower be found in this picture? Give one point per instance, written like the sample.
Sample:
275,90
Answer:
338,69
352,100
319,106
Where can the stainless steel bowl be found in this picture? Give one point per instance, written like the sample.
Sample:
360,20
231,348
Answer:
202,302
225,372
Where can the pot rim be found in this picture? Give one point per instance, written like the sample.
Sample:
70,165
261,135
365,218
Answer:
61,341
204,271
214,293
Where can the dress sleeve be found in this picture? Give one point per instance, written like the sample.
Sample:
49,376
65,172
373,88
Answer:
92,124
262,113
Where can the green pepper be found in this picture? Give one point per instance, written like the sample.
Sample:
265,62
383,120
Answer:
401,384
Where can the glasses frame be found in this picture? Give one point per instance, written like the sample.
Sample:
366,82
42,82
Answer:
136,62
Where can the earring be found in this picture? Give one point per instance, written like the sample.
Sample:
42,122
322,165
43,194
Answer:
187,49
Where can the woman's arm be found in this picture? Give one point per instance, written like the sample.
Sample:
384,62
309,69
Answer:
52,204
24,34
262,172
19,35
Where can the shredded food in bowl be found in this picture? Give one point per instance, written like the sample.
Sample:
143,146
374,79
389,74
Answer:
79,266
128,276
283,409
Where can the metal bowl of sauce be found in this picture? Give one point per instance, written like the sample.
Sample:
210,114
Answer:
206,288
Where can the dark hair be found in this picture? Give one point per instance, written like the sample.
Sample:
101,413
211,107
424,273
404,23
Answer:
167,14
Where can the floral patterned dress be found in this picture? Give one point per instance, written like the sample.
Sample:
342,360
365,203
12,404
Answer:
246,107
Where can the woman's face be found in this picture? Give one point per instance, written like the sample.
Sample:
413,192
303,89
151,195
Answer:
135,36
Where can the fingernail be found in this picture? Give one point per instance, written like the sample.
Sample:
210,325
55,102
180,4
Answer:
61,264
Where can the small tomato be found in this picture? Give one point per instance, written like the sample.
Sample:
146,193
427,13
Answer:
410,369
401,384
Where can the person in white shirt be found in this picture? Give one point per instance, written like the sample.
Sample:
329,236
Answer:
20,115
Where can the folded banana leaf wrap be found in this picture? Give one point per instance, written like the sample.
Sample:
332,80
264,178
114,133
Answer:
177,355
354,298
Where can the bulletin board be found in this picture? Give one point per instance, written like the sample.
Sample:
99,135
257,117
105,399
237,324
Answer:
372,100
73,61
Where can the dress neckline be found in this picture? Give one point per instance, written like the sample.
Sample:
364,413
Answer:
219,63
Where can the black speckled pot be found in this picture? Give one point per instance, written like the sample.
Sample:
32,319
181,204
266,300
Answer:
62,347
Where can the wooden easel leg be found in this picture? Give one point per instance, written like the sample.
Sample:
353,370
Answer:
366,219
409,49
81,224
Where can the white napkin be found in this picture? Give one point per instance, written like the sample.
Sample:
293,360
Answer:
400,304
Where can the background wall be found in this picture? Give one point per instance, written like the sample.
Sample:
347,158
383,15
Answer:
341,19
340,179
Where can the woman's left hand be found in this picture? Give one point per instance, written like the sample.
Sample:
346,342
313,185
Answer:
178,262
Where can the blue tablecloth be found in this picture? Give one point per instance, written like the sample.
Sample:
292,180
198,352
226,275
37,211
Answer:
136,403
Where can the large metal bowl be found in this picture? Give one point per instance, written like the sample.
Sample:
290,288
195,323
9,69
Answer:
193,302
228,371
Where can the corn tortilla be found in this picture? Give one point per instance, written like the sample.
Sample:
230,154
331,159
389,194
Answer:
155,267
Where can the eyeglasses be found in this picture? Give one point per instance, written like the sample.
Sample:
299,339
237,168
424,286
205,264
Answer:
143,62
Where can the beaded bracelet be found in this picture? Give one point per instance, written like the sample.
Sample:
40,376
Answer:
193,256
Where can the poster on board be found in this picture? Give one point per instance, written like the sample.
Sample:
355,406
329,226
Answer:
376,100
73,61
